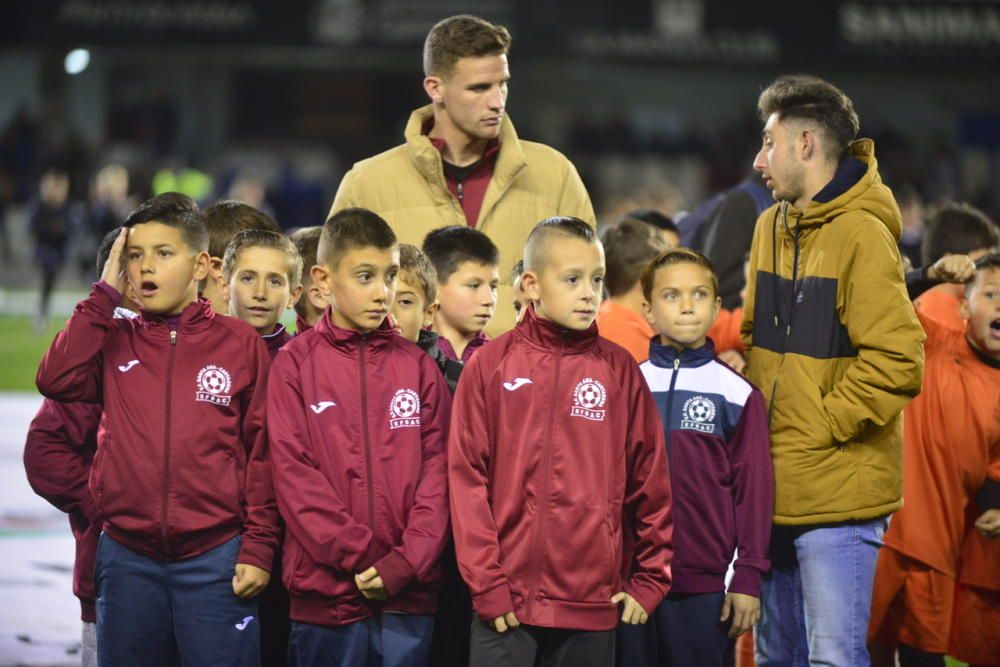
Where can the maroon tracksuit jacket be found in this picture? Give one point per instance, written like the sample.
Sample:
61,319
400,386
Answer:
182,462
557,470
357,424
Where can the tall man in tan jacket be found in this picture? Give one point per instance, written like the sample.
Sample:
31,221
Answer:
836,348
463,163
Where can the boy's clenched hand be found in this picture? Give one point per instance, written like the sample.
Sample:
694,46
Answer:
953,269
370,584
249,580
506,622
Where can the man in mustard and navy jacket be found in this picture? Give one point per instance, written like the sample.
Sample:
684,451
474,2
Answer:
836,348
463,163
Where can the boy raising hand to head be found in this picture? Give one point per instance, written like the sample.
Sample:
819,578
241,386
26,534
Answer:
181,477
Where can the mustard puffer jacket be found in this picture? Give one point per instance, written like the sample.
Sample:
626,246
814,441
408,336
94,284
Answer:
835,346
406,186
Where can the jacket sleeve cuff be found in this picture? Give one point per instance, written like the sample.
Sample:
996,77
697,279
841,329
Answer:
395,571
988,497
493,603
649,597
371,555
746,580
111,292
257,554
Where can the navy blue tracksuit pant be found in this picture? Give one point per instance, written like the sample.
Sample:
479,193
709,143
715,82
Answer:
684,631
150,612
384,640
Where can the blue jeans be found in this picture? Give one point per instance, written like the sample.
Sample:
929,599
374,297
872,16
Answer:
149,611
816,600
384,640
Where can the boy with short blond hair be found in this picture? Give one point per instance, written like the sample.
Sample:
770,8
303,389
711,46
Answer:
357,422
416,293
181,477
414,307
560,489
309,308
467,264
722,481
262,278
223,220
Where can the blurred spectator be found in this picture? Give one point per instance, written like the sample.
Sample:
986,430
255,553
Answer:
52,219
722,231
109,205
911,206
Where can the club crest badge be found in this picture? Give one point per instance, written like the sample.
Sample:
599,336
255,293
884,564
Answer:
213,385
404,409
699,414
588,400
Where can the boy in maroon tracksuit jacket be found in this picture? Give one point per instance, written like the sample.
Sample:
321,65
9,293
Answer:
357,419
558,475
58,453
262,278
721,475
181,476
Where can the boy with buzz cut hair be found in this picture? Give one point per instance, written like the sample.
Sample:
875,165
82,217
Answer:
309,308
560,490
467,264
181,476
722,481
223,220
262,278
357,424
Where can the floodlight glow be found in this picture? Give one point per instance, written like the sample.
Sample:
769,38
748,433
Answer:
77,61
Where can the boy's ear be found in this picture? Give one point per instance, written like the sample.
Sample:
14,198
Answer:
316,298
202,266
529,285
295,296
223,287
131,298
647,312
429,313
320,275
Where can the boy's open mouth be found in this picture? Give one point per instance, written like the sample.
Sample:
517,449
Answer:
147,287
